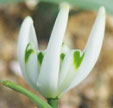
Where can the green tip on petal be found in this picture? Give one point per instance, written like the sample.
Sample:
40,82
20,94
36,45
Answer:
64,5
62,55
77,59
28,52
40,57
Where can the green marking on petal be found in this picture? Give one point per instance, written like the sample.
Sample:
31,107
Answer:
28,52
77,59
40,57
62,55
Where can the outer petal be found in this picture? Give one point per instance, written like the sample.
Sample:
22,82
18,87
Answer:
26,35
92,49
48,77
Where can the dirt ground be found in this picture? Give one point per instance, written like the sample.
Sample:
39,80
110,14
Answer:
94,92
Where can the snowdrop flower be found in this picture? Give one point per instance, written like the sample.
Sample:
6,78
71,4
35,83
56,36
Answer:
58,69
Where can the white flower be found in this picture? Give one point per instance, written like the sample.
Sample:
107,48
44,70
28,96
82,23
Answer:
58,69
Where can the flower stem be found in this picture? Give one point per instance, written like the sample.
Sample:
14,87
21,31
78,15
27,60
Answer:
34,98
53,102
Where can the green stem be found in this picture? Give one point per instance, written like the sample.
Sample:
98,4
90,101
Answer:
53,102
34,98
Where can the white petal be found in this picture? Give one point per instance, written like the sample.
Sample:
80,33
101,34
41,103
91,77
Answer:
32,70
67,72
26,35
69,68
15,68
48,77
92,49
32,67
65,48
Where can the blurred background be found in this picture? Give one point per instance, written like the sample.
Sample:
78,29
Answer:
94,92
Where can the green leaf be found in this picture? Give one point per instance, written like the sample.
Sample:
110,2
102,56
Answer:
34,98
9,1
87,4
